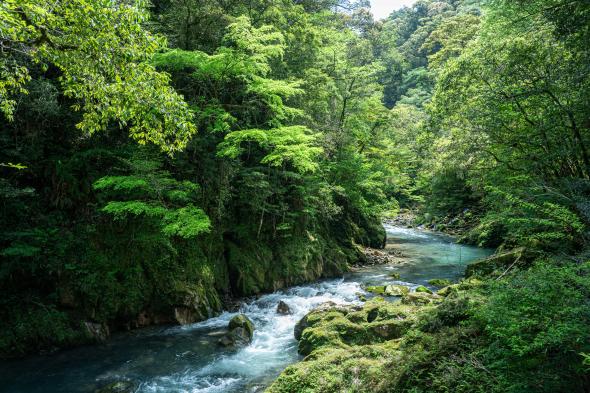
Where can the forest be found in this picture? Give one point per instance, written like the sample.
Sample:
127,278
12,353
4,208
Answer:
161,159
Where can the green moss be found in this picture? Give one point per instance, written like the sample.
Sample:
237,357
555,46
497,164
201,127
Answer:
343,327
423,289
396,290
376,289
439,282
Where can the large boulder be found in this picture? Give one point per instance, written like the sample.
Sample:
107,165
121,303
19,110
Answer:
318,312
240,332
345,326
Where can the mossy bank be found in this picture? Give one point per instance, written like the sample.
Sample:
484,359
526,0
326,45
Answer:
466,337
113,288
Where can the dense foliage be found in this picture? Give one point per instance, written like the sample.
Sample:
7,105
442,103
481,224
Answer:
281,183
158,158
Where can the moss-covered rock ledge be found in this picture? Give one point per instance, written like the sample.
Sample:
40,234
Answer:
508,327
379,346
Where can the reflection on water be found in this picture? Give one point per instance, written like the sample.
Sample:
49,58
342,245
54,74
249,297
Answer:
187,360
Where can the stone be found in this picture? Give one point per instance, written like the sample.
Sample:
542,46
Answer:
423,289
283,308
390,329
240,332
300,327
226,341
396,290
194,303
394,275
321,309
242,321
97,331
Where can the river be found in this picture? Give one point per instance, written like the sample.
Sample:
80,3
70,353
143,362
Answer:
186,359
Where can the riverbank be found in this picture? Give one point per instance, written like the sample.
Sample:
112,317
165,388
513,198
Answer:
141,287
165,359
484,334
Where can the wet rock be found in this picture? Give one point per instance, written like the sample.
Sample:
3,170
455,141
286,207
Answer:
394,275
226,341
118,387
194,303
396,290
241,321
240,332
300,327
318,312
283,308
378,257
423,289
97,331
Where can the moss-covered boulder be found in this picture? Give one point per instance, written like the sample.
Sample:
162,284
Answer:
423,289
345,326
335,370
388,290
383,346
242,321
240,332
396,290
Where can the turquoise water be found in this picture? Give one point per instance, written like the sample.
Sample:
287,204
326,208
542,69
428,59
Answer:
187,359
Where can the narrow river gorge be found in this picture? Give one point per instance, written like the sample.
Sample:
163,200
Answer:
188,359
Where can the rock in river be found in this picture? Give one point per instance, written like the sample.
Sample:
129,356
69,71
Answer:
283,308
241,331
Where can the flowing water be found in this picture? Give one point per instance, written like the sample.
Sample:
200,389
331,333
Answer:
187,359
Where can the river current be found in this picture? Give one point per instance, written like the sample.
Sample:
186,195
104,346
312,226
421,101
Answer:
187,359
